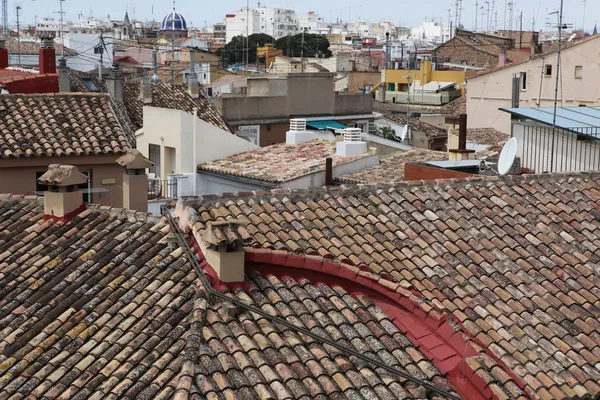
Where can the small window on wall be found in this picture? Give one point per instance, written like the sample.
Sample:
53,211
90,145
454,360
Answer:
523,80
578,71
548,70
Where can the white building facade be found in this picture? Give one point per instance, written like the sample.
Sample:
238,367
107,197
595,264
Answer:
312,23
276,22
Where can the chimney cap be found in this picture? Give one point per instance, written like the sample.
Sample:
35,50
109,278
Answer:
226,233
62,175
133,159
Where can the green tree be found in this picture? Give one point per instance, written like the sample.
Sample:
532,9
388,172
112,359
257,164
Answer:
314,45
387,133
234,52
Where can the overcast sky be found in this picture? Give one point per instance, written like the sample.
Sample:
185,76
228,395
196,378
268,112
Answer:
406,12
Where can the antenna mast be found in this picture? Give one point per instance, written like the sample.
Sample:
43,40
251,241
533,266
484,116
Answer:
561,26
5,19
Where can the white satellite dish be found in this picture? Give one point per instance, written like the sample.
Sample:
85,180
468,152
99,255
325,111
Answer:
573,36
507,157
404,133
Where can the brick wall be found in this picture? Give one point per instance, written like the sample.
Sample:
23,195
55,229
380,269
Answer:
358,80
418,172
457,52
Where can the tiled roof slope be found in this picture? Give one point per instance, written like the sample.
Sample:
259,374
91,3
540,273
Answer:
77,84
455,107
60,125
487,136
280,162
106,306
513,259
391,170
162,96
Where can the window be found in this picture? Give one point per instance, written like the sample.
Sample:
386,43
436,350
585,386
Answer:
154,156
548,70
578,71
523,80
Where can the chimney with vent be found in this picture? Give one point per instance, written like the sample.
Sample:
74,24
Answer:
462,153
62,196
114,83
135,180
352,145
223,248
155,78
64,78
192,79
502,58
146,90
3,54
47,56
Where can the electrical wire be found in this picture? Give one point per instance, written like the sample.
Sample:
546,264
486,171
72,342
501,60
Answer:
210,292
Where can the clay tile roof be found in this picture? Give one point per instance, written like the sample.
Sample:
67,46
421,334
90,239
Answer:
162,97
220,233
13,47
106,305
12,73
77,82
455,108
280,162
61,125
418,125
513,261
487,136
391,169
63,175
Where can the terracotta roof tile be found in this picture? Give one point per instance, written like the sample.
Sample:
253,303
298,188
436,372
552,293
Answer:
162,96
106,305
486,136
516,285
391,169
390,111
455,108
61,124
280,162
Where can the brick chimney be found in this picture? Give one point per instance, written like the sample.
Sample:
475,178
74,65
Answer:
3,54
135,180
62,197
47,57
223,247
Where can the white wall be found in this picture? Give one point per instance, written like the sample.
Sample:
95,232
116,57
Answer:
84,44
174,128
570,154
488,92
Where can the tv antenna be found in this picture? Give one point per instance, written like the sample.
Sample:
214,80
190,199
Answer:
506,161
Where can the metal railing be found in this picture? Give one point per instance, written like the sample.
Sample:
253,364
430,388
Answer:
543,149
163,189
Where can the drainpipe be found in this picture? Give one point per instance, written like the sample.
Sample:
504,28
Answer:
328,171
195,111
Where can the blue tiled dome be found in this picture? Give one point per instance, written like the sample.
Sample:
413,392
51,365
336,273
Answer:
174,22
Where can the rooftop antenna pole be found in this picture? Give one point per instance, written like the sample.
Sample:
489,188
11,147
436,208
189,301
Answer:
173,62
560,28
583,22
487,16
5,19
62,53
19,35
247,31
476,13
505,7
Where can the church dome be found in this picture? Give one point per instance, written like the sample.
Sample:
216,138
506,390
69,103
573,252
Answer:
174,22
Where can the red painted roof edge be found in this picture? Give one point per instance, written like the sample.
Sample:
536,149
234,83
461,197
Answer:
425,326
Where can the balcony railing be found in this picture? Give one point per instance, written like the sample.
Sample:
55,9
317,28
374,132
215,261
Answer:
162,189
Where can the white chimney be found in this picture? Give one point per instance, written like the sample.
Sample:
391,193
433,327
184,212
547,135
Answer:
62,197
146,91
223,247
298,133
352,145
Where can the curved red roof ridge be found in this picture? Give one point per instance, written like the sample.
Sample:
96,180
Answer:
427,327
